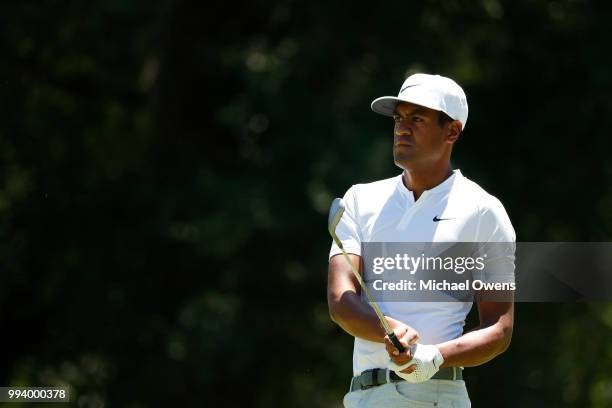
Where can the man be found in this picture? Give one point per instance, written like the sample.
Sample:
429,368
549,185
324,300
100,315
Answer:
428,202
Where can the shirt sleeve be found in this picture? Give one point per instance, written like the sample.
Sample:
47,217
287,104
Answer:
348,229
496,242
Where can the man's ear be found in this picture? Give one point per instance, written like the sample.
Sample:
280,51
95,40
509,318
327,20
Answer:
454,131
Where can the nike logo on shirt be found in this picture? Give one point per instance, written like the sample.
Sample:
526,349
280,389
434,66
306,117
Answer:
436,219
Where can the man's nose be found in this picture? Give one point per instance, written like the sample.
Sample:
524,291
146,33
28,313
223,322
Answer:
402,129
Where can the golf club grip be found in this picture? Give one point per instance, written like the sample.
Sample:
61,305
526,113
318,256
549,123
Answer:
396,342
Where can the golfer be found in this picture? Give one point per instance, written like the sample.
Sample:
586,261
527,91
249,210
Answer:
428,202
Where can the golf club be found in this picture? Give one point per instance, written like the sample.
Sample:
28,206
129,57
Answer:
335,214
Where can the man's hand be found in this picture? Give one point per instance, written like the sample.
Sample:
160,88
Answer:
407,337
425,363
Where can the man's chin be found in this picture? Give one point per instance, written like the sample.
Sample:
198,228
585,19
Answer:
404,162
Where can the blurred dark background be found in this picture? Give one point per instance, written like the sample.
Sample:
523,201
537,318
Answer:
166,170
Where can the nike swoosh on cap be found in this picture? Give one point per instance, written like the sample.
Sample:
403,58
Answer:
408,86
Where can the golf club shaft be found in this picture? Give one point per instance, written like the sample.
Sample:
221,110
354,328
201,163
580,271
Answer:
371,301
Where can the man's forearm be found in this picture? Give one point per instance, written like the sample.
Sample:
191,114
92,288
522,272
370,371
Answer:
476,347
356,317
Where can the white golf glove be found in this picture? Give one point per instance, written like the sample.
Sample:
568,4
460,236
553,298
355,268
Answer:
427,359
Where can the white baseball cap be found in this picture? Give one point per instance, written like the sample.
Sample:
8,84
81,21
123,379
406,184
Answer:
432,91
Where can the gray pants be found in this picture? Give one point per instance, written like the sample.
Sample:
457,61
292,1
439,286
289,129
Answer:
431,393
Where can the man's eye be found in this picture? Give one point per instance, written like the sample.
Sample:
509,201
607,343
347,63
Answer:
417,119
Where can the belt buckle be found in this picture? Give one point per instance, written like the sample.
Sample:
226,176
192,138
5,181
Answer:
374,379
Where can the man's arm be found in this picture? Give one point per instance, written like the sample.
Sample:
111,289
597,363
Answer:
484,343
348,310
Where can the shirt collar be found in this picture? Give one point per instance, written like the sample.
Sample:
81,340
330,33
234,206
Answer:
445,186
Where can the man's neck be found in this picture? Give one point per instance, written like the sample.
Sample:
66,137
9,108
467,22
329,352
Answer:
418,181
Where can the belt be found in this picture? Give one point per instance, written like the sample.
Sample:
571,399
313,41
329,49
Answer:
379,376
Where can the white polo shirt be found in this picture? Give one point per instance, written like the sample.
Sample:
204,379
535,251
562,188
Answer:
385,211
